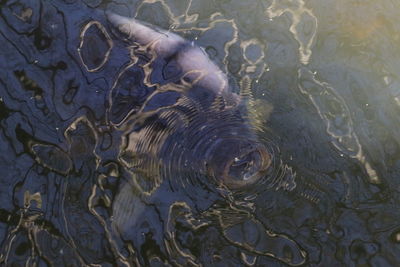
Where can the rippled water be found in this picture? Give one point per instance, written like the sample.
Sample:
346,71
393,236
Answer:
90,177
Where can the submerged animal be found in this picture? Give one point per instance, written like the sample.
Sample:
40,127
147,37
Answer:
183,108
178,131
149,136
184,126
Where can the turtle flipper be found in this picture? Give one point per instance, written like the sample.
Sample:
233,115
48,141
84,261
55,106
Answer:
161,42
188,62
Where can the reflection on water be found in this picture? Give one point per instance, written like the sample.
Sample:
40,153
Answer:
124,144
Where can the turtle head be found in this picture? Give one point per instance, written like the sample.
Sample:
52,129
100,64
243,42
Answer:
237,162
226,143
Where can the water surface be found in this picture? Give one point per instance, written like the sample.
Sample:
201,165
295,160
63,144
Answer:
324,78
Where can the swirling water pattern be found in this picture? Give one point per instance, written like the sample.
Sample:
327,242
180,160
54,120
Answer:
320,82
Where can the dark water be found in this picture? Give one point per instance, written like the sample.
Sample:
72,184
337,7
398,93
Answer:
324,77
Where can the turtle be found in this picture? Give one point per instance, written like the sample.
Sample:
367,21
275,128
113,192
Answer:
184,126
185,95
164,137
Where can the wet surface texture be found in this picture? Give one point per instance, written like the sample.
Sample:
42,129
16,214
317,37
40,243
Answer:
122,143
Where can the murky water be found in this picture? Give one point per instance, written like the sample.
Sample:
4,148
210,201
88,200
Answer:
102,162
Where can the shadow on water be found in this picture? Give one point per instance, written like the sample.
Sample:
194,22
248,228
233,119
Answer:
123,143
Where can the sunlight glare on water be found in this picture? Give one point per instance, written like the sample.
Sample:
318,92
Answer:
203,133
